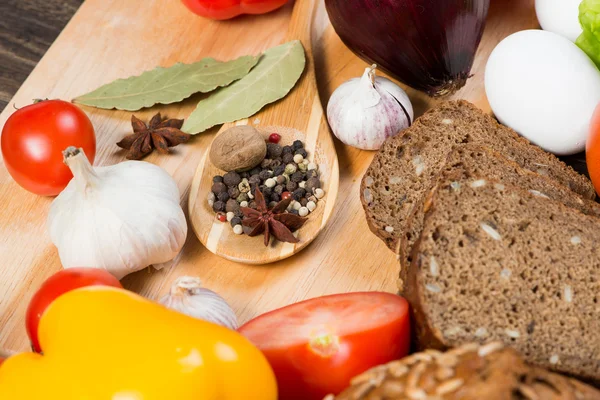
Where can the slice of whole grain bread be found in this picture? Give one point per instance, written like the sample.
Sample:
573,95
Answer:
406,165
495,262
469,372
476,161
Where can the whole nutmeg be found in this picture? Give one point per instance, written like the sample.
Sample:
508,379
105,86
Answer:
239,148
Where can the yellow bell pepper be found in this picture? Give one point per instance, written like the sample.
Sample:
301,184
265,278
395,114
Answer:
110,344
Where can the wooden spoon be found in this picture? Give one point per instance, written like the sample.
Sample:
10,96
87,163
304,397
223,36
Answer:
298,116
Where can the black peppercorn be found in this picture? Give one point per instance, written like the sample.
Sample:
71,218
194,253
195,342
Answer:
287,150
217,178
238,213
264,175
219,187
232,205
254,180
292,211
279,170
278,189
266,191
255,171
232,179
266,163
252,204
281,180
275,197
219,206
233,192
235,221
223,196
242,197
312,184
288,158
291,186
274,150
297,176
299,194
244,175
303,201
275,163
312,174
298,145
302,152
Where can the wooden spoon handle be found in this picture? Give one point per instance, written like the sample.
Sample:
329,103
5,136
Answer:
300,26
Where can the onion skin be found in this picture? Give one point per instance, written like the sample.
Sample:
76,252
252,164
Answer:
429,45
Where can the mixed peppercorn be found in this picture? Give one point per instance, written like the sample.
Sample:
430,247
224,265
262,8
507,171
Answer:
285,172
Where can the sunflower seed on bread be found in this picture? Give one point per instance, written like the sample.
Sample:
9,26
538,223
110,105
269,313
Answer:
489,372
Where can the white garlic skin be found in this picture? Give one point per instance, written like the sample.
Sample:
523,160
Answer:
188,297
363,112
121,218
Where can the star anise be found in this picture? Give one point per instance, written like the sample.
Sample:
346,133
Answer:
274,222
159,134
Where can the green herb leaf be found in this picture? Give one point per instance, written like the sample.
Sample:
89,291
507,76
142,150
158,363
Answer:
589,40
168,85
273,77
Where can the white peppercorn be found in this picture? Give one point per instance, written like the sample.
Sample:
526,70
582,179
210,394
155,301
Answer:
270,182
290,169
303,211
313,199
250,196
238,229
298,158
302,184
302,167
319,193
311,205
297,205
312,166
244,186
305,162
230,216
244,204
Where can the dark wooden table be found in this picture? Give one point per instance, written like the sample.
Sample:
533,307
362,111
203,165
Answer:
27,29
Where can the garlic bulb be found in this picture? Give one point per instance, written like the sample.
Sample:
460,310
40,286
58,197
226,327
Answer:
120,218
189,297
363,112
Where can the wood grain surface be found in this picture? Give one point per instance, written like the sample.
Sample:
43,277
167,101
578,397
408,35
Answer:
27,29
109,39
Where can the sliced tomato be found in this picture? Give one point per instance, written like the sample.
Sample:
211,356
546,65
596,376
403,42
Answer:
592,149
317,346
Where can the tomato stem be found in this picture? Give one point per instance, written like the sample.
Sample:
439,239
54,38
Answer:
325,345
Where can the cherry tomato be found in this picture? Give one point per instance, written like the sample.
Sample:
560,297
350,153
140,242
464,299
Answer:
592,149
316,346
60,283
33,139
226,9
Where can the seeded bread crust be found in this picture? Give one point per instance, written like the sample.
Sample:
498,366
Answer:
477,162
495,262
470,372
406,165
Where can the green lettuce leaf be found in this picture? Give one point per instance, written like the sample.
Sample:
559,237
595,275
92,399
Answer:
589,40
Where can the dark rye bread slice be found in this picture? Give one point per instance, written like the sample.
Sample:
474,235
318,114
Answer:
469,372
406,165
498,263
476,161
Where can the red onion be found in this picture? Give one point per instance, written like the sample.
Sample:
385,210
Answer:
427,44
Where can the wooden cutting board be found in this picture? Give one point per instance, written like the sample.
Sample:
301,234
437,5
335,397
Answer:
109,39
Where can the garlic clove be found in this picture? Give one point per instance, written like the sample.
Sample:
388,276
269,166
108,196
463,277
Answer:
188,297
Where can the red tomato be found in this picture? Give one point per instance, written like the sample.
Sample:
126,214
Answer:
592,150
33,139
316,346
60,283
226,9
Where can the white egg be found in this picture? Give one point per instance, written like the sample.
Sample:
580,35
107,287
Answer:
559,16
545,88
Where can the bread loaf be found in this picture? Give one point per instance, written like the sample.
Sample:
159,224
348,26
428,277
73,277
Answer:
473,161
495,262
471,372
406,165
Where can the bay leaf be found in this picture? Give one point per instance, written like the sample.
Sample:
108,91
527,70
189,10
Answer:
168,85
273,77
